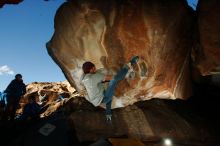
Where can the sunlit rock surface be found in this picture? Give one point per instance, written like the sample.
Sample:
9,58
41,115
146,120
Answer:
40,87
47,95
208,51
109,33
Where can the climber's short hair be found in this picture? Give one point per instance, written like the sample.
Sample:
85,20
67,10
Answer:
87,66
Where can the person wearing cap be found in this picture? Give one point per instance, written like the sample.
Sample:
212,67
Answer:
14,91
93,80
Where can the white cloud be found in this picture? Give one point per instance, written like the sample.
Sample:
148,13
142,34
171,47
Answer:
6,70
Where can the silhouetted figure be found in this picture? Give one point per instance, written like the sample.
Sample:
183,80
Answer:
15,90
2,105
2,100
93,80
31,109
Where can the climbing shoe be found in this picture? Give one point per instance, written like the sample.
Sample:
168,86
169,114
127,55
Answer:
109,118
134,60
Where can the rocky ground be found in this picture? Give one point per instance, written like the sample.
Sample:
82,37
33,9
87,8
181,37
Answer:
74,121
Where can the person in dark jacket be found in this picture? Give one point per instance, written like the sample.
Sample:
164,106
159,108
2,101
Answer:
31,109
15,90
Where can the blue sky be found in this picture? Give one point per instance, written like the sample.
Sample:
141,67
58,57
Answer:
193,3
24,30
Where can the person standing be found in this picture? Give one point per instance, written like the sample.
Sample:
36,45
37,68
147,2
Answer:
15,90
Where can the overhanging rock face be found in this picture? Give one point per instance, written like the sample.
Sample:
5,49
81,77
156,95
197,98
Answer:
208,52
109,33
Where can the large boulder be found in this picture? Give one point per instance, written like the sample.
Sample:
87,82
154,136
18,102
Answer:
109,33
150,121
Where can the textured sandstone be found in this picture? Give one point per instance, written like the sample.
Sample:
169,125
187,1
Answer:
51,90
152,121
109,33
207,51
